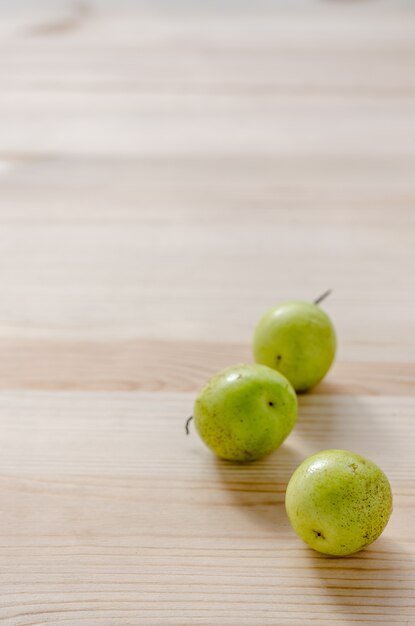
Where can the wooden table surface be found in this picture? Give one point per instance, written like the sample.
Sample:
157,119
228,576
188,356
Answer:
168,170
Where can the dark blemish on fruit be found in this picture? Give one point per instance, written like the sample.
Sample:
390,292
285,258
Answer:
270,403
279,357
318,534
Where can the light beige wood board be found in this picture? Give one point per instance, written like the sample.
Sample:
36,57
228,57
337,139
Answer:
110,514
168,170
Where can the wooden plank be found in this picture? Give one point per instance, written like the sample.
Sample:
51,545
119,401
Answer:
247,74
167,172
151,365
104,256
111,513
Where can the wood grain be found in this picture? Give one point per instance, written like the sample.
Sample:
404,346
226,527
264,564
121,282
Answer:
167,172
167,365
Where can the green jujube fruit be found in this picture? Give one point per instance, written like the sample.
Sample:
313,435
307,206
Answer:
338,502
245,412
297,339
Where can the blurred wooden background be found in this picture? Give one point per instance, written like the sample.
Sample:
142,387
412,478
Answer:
168,170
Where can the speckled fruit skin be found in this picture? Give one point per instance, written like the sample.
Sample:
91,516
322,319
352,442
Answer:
297,339
245,412
338,502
